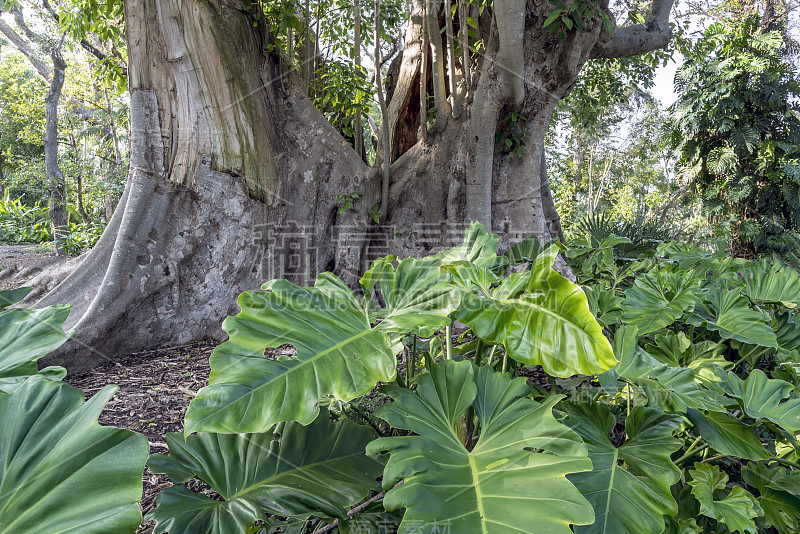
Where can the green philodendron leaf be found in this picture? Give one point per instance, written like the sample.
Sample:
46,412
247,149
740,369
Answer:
62,472
527,251
12,296
10,383
605,305
295,470
683,526
478,248
728,435
27,335
417,294
672,389
766,281
628,354
788,482
541,318
675,389
781,507
676,350
729,314
788,334
375,274
763,398
669,348
467,277
629,486
338,355
514,479
657,301
736,509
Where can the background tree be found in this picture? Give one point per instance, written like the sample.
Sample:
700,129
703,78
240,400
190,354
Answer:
86,114
35,46
623,170
22,94
737,131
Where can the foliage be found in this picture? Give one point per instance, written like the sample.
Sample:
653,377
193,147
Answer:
291,470
686,328
347,201
620,167
701,359
82,237
736,128
22,95
680,415
26,336
511,135
20,224
60,471
674,382
576,15
93,120
635,495
736,509
481,484
63,472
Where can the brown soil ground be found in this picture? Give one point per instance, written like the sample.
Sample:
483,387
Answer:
21,260
155,388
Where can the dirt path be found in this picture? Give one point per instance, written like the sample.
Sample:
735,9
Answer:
22,262
155,388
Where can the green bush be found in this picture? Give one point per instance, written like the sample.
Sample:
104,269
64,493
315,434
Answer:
82,237
22,225
736,131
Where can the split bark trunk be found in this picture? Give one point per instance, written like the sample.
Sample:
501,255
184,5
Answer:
219,125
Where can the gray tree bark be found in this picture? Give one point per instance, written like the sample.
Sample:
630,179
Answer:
58,193
226,151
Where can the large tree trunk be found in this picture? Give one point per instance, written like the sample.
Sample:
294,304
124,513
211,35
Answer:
459,174
234,174
233,170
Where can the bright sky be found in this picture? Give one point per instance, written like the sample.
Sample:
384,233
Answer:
664,88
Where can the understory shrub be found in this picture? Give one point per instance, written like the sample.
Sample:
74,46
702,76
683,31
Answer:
661,393
21,224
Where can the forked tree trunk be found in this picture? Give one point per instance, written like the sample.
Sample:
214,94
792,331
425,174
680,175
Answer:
460,174
232,168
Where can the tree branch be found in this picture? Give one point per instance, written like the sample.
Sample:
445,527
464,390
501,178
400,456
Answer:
22,25
89,47
628,41
676,196
22,45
